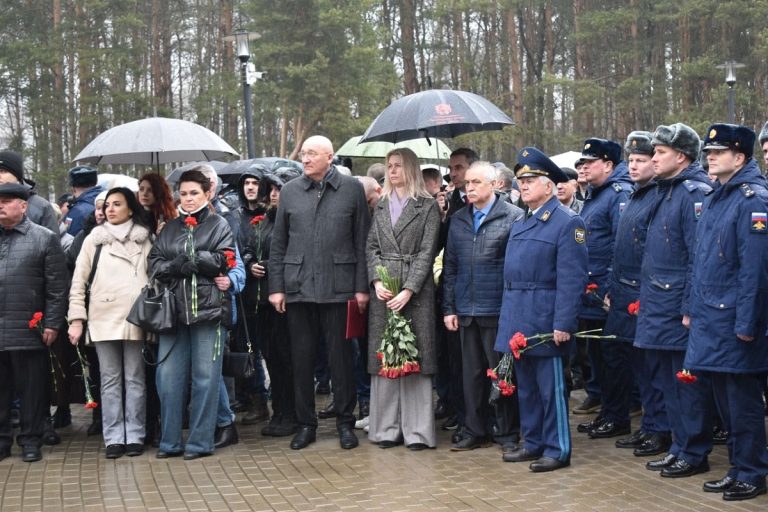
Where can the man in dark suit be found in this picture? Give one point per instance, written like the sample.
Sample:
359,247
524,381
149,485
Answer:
317,263
459,162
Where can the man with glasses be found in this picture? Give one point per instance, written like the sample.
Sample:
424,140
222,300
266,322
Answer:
317,263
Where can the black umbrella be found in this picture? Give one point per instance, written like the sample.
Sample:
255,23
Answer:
439,113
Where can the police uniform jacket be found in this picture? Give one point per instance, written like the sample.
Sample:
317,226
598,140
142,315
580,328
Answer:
624,285
82,207
668,260
545,271
474,262
729,293
601,212
317,253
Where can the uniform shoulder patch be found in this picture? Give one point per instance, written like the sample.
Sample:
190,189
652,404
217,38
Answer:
697,208
759,222
579,235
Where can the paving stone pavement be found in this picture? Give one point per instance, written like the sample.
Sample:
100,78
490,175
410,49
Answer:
265,474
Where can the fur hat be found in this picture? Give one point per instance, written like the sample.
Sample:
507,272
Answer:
83,176
678,136
763,134
639,142
730,136
11,161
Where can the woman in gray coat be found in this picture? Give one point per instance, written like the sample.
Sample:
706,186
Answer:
403,238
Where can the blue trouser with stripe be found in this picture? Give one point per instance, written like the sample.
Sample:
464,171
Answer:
543,406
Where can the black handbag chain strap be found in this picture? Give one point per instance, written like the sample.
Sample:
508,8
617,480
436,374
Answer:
89,283
245,323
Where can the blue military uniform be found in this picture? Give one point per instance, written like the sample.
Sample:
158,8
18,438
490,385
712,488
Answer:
83,177
544,276
602,210
664,300
729,297
625,365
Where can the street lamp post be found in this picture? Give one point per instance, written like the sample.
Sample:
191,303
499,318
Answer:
730,79
241,38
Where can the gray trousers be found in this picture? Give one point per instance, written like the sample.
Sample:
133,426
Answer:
402,409
122,366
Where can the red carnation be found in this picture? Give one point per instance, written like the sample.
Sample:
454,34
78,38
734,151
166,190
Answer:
90,404
686,377
257,219
518,341
634,308
190,221
591,287
230,255
492,374
380,356
35,320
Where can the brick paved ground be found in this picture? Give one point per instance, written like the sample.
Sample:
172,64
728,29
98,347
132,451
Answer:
264,474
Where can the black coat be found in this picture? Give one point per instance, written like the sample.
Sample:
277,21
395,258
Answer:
33,278
211,237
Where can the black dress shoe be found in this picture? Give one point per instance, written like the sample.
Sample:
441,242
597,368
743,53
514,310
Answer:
269,429
62,418
441,412
347,437
167,455
589,426
287,427
719,436
450,423
134,449
417,447
225,436
658,465
743,491
633,441
50,436
30,453
681,469
94,428
458,435
588,406
609,429
519,455
544,464
363,410
389,444
194,455
328,412
721,485
655,444
304,437
470,442
115,451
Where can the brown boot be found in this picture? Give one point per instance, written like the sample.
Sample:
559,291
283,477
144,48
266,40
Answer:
257,412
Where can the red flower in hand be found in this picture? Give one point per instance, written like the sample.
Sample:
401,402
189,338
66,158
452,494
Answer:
591,287
380,356
492,374
90,404
35,320
257,219
230,255
190,222
506,388
686,377
518,340
634,308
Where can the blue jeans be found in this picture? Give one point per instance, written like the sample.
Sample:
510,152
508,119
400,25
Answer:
224,415
191,361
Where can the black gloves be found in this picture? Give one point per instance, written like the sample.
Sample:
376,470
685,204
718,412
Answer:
211,264
175,267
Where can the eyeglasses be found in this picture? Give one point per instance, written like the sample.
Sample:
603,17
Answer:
310,154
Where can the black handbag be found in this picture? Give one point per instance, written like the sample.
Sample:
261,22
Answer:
240,365
154,309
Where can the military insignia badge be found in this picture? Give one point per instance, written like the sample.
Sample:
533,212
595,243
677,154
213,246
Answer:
697,209
579,235
712,133
587,146
621,207
545,216
759,222
525,152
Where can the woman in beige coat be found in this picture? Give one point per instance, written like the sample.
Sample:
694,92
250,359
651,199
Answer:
121,272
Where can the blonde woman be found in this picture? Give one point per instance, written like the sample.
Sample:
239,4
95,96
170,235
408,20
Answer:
403,239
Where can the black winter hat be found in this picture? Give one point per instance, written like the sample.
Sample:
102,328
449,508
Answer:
12,162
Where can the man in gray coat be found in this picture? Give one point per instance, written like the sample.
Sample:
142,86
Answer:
317,264
33,301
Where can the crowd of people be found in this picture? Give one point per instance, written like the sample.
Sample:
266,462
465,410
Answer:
643,281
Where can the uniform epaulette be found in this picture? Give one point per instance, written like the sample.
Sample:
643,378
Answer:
746,190
618,188
694,185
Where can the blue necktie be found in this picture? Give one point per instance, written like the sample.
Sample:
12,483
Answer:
478,220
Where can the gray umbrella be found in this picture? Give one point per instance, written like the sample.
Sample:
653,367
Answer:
440,113
155,141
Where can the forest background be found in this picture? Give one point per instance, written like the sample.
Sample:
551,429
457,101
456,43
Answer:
564,71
